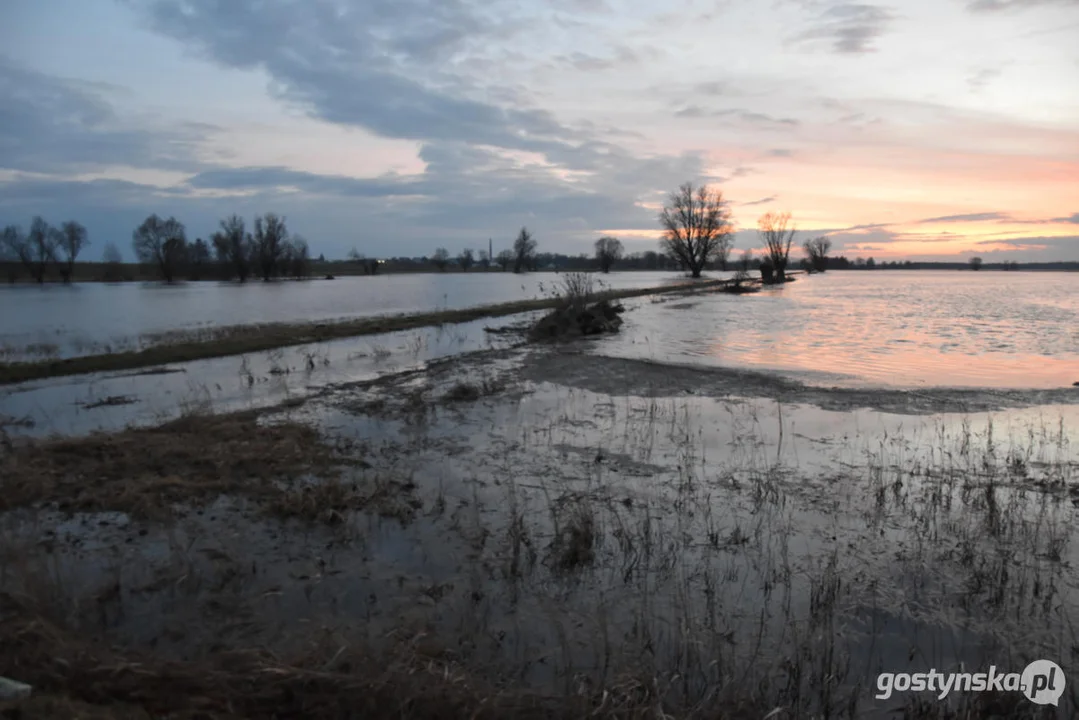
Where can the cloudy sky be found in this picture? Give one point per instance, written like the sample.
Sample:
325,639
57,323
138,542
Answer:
920,129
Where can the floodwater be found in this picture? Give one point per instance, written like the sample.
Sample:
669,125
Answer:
730,534
95,317
895,328
888,328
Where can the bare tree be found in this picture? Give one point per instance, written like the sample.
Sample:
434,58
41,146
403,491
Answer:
777,239
270,238
696,227
299,257
73,238
15,249
608,252
524,251
198,259
37,249
817,252
441,259
162,243
355,256
484,260
233,247
466,259
504,259
114,263
741,272
975,263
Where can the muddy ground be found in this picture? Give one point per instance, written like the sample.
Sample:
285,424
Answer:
541,532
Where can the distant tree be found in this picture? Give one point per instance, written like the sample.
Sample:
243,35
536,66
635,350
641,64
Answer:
270,241
484,259
608,251
441,259
298,256
696,227
741,271
504,259
233,247
15,249
321,258
114,263
36,249
777,239
524,251
73,238
817,252
198,259
859,262
466,259
371,267
162,243
355,256
870,263
975,263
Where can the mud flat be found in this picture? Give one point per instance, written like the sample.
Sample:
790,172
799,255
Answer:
544,532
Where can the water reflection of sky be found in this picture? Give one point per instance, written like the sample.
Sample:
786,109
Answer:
880,328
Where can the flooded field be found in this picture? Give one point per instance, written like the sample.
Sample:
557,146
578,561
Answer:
91,318
896,328
454,518
543,531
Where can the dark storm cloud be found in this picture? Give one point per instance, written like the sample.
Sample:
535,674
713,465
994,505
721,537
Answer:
850,27
52,125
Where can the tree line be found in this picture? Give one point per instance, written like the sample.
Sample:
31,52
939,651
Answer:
267,251
696,222
45,247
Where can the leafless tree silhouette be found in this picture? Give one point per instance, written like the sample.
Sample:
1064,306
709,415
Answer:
162,243
608,251
524,251
441,258
73,238
466,259
233,247
777,239
114,263
975,263
198,259
270,238
696,227
817,252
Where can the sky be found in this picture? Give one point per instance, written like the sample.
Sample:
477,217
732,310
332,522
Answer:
922,129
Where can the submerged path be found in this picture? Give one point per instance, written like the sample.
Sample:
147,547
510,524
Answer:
241,339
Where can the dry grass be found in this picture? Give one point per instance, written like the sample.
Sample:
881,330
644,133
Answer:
331,501
145,471
334,679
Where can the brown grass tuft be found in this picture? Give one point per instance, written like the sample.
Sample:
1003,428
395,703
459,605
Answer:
145,471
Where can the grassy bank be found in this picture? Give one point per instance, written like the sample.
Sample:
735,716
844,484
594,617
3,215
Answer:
238,340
